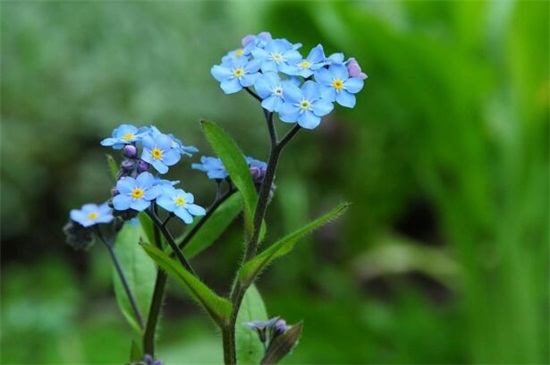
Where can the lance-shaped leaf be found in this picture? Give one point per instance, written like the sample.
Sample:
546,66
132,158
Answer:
113,167
235,164
250,270
148,226
213,227
249,348
139,272
217,307
282,344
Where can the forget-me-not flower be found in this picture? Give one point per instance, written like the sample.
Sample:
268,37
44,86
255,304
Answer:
304,106
236,74
123,135
158,151
91,214
306,67
269,87
212,166
276,53
337,85
137,193
180,203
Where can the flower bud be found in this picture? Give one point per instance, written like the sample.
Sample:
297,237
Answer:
354,69
142,166
127,165
129,151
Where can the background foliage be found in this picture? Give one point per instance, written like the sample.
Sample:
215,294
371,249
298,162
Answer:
443,257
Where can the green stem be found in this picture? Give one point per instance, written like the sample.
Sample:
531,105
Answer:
154,313
170,241
205,218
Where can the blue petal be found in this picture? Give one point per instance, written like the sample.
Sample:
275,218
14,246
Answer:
231,86
145,180
263,87
166,202
126,185
292,94
122,202
160,167
140,204
184,215
154,192
220,73
171,157
308,120
288,113
328,93
196,209
323,77
339,72
345,99
272,103
109,141
354,84
316,54
249,79
322,107
148,142
311,90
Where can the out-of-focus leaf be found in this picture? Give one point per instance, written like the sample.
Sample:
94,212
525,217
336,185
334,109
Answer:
148,226
139,271
217,307
235,164
283,344
253,268
214,226
249,348
113,167
136,353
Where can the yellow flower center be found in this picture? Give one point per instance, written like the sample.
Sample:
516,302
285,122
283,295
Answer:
180,201
238,72
305,64
128,136
277,57
156,153
338,84
239,52
137,193
305,105
92,216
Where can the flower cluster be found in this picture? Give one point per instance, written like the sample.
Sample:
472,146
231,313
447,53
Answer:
136,187
268,330
215,169
301,90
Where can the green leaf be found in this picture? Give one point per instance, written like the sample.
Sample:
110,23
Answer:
113,167
282,345
148,226
136,353
217,307
214,226
251,269
139,271
235,164
249,348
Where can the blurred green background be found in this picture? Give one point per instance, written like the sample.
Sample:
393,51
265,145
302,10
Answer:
443,257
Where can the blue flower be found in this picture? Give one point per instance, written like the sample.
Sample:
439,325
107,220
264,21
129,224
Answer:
270,88
337,85
176,143
180,203
158,151
236,74
212,166
91,214
276,53
257,169
306,67
123,135
136,194
304,105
